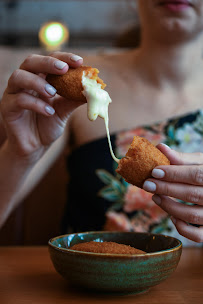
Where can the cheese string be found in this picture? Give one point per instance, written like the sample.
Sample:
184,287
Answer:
97,105
106,120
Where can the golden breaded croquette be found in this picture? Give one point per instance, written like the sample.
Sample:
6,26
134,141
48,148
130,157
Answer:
70,85
141,158
106,247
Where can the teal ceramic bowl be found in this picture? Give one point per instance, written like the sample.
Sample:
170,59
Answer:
116,273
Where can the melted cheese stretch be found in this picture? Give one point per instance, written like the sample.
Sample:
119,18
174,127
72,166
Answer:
98,102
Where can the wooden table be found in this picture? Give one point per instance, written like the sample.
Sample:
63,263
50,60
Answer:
28,276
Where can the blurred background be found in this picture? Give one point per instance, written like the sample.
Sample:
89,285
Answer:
79,26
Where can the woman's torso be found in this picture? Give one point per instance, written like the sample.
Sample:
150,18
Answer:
93,203
135,99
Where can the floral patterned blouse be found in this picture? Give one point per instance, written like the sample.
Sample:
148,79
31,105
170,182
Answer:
99,199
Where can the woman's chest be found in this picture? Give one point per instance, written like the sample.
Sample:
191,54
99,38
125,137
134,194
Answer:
132,105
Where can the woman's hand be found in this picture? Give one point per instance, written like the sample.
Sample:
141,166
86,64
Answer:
183,180
33,114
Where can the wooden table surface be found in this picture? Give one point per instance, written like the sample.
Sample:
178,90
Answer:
28,276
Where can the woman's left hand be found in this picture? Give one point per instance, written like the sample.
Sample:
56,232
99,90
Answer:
183,180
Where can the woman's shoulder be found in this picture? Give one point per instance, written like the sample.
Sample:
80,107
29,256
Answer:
104,57
108,61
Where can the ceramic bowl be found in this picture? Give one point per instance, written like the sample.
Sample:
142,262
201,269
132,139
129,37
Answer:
119,273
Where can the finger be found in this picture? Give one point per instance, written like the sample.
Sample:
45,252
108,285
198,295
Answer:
193,233
57,63
24,101
184,192
72,60
44,64
25,80
42,75
179,158
64,108
184,174
189,214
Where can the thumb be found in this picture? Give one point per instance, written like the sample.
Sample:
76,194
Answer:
180,158
64,107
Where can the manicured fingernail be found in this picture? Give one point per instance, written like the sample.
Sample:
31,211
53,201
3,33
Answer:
149,186
60,64
158,173
156,198
173,220
49,110
75,58
51,90
165,145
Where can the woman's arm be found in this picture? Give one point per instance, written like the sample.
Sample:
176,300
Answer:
18,176
13,173
35,120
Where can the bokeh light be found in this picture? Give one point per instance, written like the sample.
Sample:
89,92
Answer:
53,35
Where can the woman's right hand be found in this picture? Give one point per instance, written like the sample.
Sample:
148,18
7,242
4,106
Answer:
33,114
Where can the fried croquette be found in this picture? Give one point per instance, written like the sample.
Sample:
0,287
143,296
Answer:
106,247
70,85
141,158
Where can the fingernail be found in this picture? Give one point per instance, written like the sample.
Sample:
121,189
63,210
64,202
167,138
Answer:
49,110
149,186
158,173
173,220
51,90
60,64
75,58
165,145
156,198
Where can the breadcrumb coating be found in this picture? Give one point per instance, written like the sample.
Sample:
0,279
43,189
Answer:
70,86
141,158
106,247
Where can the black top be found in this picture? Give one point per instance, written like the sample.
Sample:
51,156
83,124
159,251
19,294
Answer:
98,198
85,210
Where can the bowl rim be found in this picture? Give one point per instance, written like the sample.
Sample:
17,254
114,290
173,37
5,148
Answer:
161,252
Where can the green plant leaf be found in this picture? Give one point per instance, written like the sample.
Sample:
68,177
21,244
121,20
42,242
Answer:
109,179
110,194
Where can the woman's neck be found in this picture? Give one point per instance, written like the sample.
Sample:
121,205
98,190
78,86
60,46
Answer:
171,66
